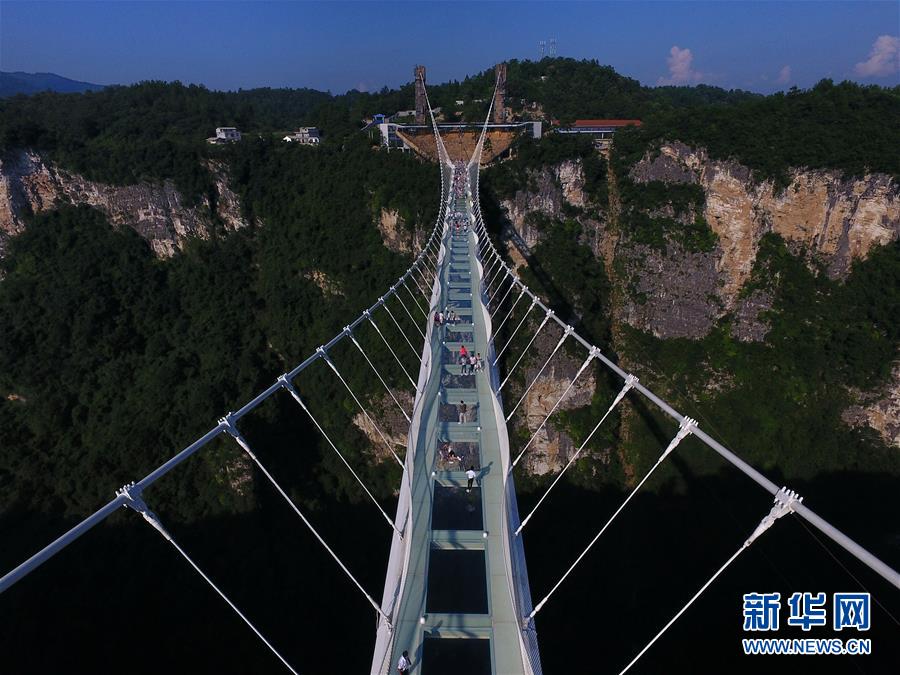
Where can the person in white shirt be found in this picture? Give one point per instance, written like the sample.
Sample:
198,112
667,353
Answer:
470,474
404,664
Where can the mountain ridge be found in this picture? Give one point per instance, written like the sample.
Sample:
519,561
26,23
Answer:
20,82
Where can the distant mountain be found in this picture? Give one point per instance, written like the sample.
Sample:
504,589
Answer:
32,83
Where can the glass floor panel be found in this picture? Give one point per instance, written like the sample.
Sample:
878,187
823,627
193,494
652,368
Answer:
453,656
457,582
456,509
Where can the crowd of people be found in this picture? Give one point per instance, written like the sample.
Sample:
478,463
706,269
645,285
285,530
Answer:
459,220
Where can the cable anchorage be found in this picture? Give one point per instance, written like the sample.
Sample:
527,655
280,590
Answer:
786,502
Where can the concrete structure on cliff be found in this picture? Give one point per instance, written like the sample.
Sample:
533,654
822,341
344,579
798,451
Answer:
421,99
460,138
602,131
500,95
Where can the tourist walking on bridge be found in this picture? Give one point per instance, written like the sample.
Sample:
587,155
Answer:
404,664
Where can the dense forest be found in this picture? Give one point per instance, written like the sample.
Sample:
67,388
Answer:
111,360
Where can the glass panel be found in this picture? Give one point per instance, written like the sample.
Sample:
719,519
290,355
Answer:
452,656
457,582
456,509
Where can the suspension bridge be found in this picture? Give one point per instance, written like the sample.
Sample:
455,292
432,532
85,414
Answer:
457,584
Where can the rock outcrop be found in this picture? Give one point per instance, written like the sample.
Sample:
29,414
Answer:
671,293
833,218
326,284
552,448
879,409
562,184
29,184
391,423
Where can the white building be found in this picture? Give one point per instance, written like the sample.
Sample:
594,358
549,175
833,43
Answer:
304,136
225,135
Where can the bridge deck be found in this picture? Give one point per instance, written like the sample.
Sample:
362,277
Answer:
458,571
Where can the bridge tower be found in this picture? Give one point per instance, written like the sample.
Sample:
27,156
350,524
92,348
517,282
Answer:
421,102
499,114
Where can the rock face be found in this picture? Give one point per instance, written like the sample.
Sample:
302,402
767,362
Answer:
671,293
835,219
552,448
326,284
879,409
561,184
677,293
29,184
390,422
393,232
396,236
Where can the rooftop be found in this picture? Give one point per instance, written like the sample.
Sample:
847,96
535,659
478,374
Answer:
606,123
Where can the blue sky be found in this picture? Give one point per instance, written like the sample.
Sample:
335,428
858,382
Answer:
761,46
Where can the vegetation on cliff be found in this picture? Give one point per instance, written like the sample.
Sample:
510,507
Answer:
98,338
845,126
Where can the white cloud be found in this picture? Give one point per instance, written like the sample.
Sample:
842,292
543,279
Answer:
680,70
784,75
884,59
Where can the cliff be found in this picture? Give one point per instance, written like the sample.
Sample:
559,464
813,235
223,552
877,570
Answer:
832,218
550,189
678,290
396,234
552,447
30,184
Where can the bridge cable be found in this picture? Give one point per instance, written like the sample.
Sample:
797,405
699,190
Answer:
403,334
509,313
325,357
686,428
390,349
508,342
625,389
375,370
233,431
527,347
559,344
135,502
785,502
285,382
584,365
411,318
503,278
416,281
497,290
414,298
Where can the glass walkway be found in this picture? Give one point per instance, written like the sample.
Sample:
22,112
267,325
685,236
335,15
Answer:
460,589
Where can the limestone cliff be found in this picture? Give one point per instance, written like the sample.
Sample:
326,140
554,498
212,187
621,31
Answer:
548,191
390,422
552,448
835,219
397,236
30,184
879,409
674,292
